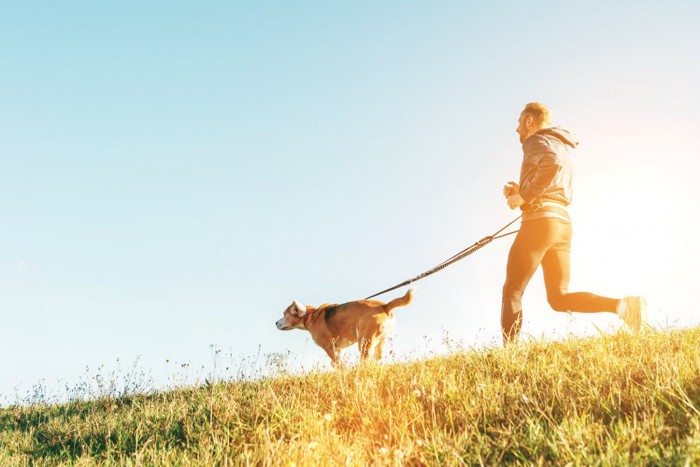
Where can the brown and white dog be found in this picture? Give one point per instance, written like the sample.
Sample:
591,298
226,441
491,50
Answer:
335,327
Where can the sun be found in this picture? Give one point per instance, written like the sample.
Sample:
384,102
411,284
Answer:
634,235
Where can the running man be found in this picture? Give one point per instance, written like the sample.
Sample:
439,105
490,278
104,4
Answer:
543,194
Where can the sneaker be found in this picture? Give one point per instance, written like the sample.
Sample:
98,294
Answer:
635,313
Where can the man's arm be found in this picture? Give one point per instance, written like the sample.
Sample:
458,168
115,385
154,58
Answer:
547,170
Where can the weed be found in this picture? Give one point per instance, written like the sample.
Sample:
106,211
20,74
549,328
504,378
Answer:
610,399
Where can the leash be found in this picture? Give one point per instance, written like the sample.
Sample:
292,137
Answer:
462,254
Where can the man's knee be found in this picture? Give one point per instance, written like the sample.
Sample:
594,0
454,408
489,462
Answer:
512,293
558,302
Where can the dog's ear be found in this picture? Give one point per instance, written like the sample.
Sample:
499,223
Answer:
301,309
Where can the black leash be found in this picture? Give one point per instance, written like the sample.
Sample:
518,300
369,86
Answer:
462,254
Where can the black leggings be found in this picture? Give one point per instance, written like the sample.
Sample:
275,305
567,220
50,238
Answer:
545,241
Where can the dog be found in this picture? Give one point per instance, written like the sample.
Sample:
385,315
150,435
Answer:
336,327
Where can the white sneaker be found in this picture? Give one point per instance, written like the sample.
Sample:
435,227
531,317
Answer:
635,313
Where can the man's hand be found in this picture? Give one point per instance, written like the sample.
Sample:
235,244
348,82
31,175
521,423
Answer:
511,191
515,201
511,188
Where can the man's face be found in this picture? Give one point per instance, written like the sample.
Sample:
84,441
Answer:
522,126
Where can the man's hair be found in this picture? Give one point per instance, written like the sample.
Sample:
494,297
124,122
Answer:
539,112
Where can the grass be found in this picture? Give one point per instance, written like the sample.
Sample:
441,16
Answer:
609,400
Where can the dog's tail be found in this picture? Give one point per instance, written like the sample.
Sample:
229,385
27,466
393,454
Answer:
401,301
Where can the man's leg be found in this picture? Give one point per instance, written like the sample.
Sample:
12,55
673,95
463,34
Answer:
556,269
524,258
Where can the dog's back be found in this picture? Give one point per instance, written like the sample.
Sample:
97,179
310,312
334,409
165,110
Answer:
356,310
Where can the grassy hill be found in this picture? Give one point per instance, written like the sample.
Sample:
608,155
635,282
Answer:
614,399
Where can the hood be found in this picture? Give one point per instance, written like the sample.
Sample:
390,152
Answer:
561,134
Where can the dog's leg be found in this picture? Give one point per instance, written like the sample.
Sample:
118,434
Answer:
334,353
338,364
366,346
378,349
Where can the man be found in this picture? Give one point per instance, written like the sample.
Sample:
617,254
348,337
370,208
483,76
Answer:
543,194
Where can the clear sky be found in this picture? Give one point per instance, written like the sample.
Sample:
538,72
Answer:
174,173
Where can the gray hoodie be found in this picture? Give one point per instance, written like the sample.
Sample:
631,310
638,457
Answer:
546,174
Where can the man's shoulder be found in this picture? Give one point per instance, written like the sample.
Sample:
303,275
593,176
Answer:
537,144
544,145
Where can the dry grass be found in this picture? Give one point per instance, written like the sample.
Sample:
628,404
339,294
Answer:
614,399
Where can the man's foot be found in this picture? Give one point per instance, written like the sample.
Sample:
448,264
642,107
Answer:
634,313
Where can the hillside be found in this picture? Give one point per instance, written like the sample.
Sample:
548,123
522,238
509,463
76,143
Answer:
613,399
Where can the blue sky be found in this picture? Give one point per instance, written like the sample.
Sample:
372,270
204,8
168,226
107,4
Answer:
174,173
